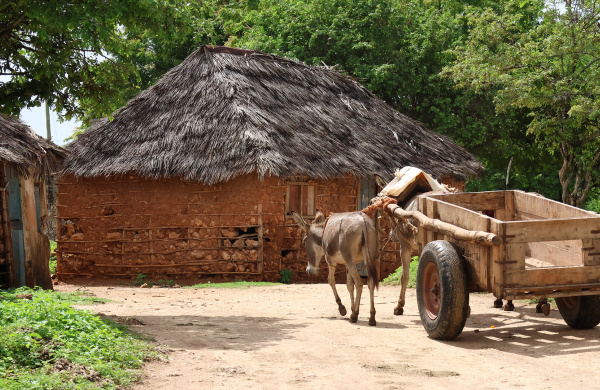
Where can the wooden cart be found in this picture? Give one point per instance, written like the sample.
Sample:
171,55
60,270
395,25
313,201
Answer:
513,244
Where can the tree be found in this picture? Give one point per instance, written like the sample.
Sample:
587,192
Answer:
87,57
543,57
397,49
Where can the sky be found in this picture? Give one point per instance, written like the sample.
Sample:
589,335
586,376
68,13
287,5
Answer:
36,119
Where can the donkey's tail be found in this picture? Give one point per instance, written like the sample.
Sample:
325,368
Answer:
371,259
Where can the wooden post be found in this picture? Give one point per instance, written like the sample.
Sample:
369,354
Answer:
260,242
5,225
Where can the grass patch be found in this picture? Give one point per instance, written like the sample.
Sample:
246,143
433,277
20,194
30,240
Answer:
238,284
394,278
47,344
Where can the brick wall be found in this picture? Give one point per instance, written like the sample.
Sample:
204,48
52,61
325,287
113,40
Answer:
174,229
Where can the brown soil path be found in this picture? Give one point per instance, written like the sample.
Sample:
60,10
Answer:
291,336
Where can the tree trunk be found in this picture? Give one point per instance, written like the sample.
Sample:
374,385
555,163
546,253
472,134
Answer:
575,176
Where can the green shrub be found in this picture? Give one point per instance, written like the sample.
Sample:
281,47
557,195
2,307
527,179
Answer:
394,279
285,276
43,341
140,279
52,259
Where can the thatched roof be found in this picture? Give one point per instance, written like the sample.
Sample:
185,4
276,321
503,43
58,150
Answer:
225,112
29,153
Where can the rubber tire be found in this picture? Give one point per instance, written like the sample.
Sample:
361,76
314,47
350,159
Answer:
585,314
454,292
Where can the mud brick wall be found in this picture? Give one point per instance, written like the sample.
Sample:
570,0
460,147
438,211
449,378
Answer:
174,229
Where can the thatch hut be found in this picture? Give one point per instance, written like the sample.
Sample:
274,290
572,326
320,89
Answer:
194,176
26,162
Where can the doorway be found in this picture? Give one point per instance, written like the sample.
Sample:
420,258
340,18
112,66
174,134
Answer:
16,225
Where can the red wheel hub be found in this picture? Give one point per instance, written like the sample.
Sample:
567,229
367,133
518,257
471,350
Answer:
432,290
570,302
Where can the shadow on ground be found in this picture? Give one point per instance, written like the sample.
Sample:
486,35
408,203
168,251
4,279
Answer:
219,333
525,332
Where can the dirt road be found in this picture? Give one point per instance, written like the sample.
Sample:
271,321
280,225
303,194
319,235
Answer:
291,336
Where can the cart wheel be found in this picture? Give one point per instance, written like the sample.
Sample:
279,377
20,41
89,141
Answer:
580,312
442,293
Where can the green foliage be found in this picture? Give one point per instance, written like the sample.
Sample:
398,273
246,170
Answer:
87,58
52,259
545,183
397,49
35,333
540,57
593,202
285,276
238,284
395,279
140,279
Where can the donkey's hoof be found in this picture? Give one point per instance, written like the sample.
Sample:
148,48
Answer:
342,310
372,322
497,303
538,308
398,311
353,318
509,307
546,309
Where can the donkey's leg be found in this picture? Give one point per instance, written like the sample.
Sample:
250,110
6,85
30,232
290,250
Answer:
350,286
371,282
358,285
331,280
405,252
509,306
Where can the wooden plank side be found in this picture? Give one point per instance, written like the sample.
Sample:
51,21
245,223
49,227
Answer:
497,255
509,206
430,206
513,261
591,252
547,208
462,217
552,230
473,253
554,253
476,201
421,233
552,276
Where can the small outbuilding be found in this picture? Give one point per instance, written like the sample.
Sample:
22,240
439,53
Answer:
26,164
195,176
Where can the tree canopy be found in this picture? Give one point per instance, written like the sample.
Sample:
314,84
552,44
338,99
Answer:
397,49
87,57
543,57
506,79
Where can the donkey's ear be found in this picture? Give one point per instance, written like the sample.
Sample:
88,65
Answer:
299,220
319,218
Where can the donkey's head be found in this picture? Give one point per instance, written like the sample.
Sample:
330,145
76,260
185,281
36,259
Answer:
313,240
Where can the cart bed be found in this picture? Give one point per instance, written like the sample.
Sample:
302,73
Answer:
549,249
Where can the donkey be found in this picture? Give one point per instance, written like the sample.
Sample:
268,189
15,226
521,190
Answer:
344,238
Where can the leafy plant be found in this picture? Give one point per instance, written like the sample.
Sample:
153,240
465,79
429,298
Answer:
285,276
47,344
162,282
52,259
394,279
240,284
140,279
538,56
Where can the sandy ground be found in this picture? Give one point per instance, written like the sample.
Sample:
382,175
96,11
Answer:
291,336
